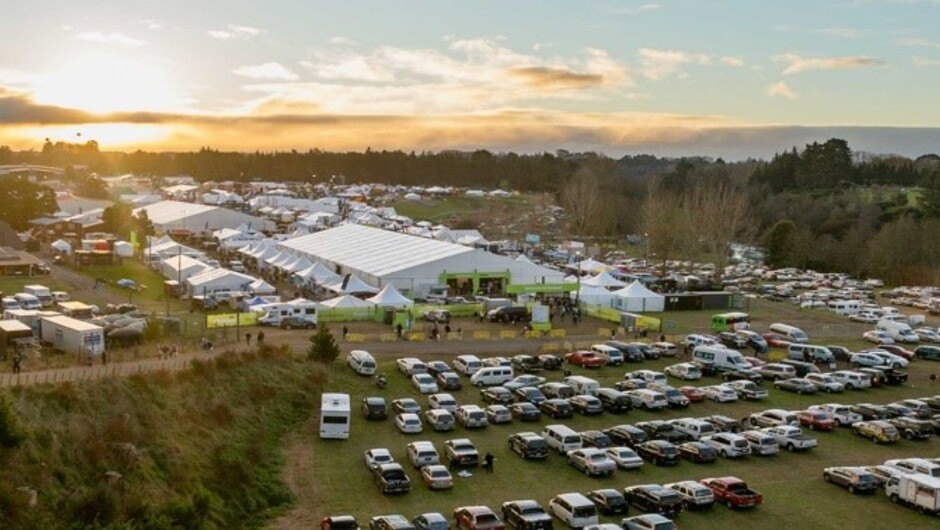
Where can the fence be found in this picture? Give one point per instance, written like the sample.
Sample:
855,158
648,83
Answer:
89,373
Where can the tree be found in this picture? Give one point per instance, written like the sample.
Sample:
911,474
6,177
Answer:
118,219
142,224
323,347
581,198
666,224
721,215
11,430
22,201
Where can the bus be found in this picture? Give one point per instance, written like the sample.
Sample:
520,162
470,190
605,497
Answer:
334,416
730,321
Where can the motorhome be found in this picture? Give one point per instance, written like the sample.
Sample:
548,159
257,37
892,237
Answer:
334,416
274,313
791,333
845,307
72,336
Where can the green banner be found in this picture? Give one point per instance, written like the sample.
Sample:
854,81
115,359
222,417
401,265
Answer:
231,320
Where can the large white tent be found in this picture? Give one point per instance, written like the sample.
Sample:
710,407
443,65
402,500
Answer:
218,280
603,279
351,284
595,295
637,298
390,297
261,287
176,215
182,267
592,266
346,301
319,274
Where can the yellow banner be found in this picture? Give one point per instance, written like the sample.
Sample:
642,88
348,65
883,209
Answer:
231,320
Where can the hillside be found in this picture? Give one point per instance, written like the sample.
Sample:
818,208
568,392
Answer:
198,449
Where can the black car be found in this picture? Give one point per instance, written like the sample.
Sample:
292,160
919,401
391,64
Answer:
374,408
662,430
438,367
659,452
614,400
525,411
596,439
742,373
296,323
496,395
526,364
698,452
732,340
913,428
653,498
723,423
802,368
390,522
609,501
871,412
933,402
528,445
893,376
630,352
649,353
708,369
526,515
550,362
626,435
530,394
448,381
556,408
841,353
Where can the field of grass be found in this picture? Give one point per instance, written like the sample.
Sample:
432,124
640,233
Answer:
795,495
12,285
439,210
132,270
197,449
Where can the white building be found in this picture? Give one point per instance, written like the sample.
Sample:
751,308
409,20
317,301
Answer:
175,215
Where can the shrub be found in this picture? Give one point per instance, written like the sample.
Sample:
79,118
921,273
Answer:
12,433
323,347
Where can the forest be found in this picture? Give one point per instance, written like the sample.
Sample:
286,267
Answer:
821,206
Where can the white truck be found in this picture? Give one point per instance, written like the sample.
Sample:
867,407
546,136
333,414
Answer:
42,293
899,331
921,492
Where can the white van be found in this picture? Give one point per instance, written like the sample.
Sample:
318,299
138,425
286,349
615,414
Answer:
694,427
28,301
791,333
582,385
467,364
817,354
613,355
361,361
845,307
574,509
562,438
720,357
492,375
899,331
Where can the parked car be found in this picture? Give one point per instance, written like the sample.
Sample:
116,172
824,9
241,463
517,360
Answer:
586,405
695,496
627,435
930,353
498,414
877,337
624,457
746,374
437,315
796,384
869,411
592,461
424,383
594,438
694,393
449,381
526,364
816,420
556,389
477,518
378,456
733,492
374,408
854,479
406,405
878,431
390,522
913,428
526,515
674,398
684,371
720,393
654,498
842,415
410,366
825,383
471,417
431,520
442,401
791,438
496,395
866,359
852,380
697,452
609,501
391,478
525,411
723,423
524,380
440,420
339,522
550,362
647,521
461,452
776,371
659,452
437,477
748,390
585,359
663,430
762,444
728,445
528,445
408,423
556,408
773,418
296,323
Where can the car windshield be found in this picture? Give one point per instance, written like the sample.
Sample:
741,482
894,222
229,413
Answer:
740,443
486,518
598,458
702,493
442,473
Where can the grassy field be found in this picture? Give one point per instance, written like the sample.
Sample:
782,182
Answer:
131,270
12,285
795,494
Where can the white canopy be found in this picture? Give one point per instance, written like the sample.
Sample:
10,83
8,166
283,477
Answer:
346,301
592,265
351,284
637,298
390,297
299,264
261,287
318,273
596,295
62,246
603,279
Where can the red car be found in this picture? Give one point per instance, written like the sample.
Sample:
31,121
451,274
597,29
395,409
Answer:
754,362
900,351
733,492
816,420
477,518
776,341
586,359
694,393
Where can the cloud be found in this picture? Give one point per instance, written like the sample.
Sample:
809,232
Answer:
109,38
797,64
781,89
271,70
924,43
545,77
642,8
343,41
841,32
660,64
732,61
925,61
234,32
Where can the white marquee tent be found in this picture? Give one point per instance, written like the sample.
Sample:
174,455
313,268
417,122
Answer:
603,279
595,295
637,298
346,301
390,297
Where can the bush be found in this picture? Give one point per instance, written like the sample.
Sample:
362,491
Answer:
323,347
12,433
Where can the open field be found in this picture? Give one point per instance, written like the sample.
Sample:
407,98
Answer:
131,270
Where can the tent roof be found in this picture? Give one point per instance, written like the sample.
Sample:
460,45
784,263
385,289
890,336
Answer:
389,296
603,279
346,300
351,284
592,265
636,290
319,273
261,286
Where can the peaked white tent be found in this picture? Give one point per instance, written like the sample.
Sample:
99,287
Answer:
592,265
346,301
298,265
318,273
351,284
522,258
596,295
637,298
390,297
603,279
261,287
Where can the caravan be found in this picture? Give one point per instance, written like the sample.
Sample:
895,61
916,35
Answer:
334,416
299,308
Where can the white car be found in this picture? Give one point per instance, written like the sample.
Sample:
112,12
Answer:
867,318
825,383
866,359
408,423
497,414
927,335
728,445
425,383
842,414
442,401
437,477
471,417
694,494
523,380
890,359
720,393
791,438
592,461
852,380
422,454
625,457
762,444
877,337
650,376
411,366
684,371
378,456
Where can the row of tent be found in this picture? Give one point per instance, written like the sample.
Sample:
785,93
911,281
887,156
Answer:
302,271
606,291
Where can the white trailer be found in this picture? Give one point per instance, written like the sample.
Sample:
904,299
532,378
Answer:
275,313
921,492
334,416
72,336
41,292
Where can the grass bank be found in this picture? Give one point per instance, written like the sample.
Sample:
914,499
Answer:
198,449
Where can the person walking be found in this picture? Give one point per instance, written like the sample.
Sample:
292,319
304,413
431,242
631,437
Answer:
345,332
17,363
248,339
488,462
260,338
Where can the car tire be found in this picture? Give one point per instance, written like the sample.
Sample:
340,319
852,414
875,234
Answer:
287,327
729,505
826,477
851,489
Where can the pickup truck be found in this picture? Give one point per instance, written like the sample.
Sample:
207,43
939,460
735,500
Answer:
733,492
791,438
391,478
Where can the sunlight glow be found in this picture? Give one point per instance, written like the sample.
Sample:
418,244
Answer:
108,135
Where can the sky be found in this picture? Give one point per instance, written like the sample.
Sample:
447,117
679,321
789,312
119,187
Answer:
730,78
